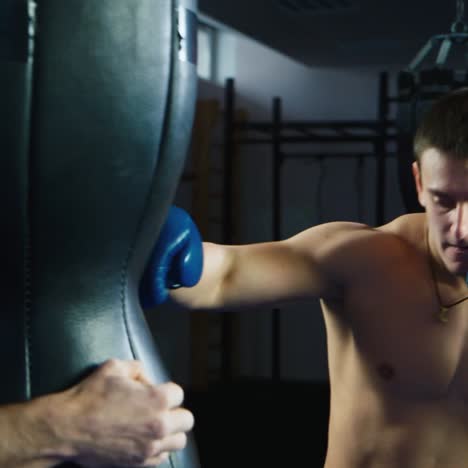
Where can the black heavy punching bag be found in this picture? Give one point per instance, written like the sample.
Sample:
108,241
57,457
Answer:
96,109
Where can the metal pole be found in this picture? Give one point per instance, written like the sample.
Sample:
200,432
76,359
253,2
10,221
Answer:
277,165
380,148
227,228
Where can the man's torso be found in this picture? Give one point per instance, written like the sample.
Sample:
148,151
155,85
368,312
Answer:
399,376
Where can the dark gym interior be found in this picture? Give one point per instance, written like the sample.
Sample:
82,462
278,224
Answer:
259,118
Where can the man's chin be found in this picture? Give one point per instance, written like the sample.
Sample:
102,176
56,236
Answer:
456,267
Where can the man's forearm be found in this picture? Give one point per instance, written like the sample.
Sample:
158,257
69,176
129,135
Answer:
208,293
27,438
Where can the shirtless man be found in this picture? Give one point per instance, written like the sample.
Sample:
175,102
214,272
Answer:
393,303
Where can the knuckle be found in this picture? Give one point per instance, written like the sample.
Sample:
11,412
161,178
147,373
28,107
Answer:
113,388
137,365
113,362
111,365
160,395
160,428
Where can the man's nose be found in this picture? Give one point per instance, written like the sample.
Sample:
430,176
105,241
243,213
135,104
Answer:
460,224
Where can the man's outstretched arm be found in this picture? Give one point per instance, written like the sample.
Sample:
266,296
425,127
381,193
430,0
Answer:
317,263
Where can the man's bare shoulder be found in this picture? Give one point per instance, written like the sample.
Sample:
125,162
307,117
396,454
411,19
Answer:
409,229
345,249
405,231
344,235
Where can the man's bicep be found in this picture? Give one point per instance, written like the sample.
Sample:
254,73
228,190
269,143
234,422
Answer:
264,273
333,253
275,272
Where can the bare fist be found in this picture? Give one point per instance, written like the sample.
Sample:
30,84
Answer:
117,417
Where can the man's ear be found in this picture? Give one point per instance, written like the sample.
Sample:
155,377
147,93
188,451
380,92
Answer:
418,181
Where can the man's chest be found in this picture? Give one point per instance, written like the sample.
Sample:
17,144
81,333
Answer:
403,345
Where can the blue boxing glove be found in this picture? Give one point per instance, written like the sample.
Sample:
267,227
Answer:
176,260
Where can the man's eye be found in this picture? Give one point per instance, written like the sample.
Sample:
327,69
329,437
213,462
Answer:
445,202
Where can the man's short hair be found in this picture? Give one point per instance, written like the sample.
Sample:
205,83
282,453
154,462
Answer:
445,126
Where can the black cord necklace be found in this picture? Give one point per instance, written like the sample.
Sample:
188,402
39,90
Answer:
443,309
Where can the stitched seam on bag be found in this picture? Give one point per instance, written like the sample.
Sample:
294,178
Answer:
131,250
27,311
27,267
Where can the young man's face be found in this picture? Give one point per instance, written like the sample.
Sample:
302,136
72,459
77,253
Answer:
442,186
